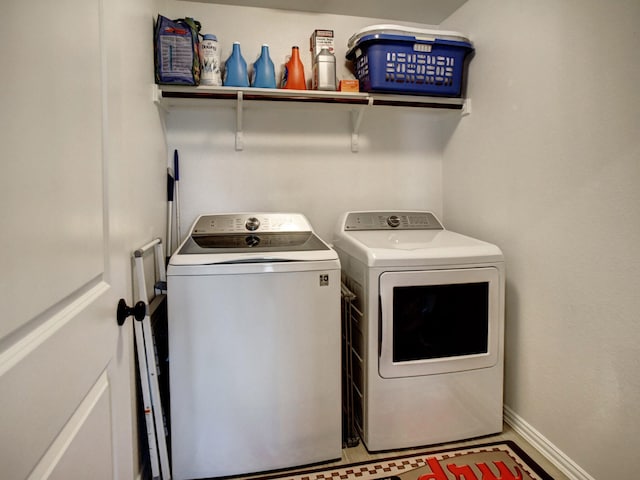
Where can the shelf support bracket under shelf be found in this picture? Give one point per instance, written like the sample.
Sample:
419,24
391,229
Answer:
466,107
356,120
239,135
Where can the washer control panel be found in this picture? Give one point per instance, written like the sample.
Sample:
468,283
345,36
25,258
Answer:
251,222
391,221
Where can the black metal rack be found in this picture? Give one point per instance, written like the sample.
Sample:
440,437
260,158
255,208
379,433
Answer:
350,437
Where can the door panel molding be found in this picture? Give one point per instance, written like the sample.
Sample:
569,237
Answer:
67,454
30,342
45,376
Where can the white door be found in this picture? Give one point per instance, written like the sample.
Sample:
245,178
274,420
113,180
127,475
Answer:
67,394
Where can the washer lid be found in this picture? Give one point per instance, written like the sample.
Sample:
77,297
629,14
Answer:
406,245
251,238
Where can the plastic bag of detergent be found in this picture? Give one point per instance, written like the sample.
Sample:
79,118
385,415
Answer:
176,51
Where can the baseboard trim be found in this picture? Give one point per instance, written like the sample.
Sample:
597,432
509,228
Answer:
552,453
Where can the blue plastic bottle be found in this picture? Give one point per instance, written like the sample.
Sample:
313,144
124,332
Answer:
264,73
235,69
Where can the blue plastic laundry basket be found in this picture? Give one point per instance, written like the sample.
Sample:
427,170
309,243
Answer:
394,59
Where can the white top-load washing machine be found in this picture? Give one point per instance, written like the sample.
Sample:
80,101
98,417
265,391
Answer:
254,346
427,347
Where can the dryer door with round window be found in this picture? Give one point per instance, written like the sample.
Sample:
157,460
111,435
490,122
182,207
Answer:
439,321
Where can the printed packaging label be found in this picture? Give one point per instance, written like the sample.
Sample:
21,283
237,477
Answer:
210,61
321,39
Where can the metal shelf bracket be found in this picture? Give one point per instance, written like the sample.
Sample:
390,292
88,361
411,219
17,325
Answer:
466,107
239,111
356,120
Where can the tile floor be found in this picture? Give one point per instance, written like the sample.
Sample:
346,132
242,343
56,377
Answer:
360,454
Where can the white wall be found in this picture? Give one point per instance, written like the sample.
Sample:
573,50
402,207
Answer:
135,132
548,167
299,158
135,159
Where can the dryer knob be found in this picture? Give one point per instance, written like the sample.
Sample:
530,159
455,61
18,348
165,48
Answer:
393,221
252,224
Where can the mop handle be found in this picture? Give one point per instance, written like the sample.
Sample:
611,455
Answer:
176,171
170,185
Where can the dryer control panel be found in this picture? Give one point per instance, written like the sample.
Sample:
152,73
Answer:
392,220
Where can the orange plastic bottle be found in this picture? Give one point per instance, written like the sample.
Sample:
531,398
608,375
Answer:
293,77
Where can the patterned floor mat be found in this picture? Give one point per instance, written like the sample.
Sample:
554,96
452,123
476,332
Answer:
493,461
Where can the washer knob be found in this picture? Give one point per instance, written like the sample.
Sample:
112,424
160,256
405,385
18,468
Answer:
393,221
252,224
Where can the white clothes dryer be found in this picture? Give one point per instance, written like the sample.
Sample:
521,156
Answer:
254,346
427,346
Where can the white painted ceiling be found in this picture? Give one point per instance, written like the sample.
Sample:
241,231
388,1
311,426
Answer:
430,12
